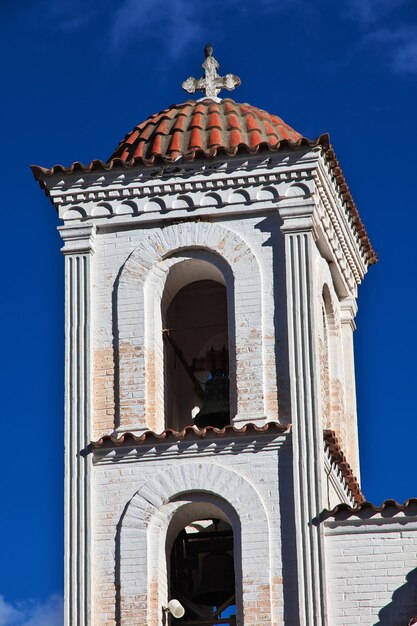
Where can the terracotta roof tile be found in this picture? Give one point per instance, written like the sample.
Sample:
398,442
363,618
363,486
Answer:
188,432
368,509
252,123
156,144
235,138
338,457
196,121
232,121
175,143
215,138
225,115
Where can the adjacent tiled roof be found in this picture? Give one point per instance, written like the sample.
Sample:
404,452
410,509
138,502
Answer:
369,509
339,459
205,129
350,205
149,436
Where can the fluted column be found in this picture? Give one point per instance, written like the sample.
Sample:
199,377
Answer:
78,251
298,229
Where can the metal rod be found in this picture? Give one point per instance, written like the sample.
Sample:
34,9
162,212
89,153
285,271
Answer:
197,327
197,386
207,622
224,606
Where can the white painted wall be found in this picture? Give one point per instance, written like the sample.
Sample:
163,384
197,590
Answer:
137,492
275,230
372,570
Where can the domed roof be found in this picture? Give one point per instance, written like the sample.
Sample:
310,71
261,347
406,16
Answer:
204,128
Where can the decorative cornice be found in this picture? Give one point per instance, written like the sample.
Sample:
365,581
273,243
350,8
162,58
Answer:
121,198
339,231
289,181
351,224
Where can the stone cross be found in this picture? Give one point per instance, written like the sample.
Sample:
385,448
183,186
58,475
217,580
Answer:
212,83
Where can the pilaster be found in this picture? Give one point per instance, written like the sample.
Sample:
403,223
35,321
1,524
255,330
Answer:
300,235
78,250
348,309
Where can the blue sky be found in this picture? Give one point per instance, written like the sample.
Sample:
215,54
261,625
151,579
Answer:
76,76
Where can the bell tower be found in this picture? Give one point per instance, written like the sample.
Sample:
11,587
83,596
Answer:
212,266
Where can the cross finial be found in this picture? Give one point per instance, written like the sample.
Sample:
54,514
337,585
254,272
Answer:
212,83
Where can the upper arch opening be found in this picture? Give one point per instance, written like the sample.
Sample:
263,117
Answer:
196,345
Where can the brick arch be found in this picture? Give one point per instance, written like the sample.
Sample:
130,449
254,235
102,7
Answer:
132,318
145,524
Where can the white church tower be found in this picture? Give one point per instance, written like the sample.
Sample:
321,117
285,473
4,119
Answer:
212,266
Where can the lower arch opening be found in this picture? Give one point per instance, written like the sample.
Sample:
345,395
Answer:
202,573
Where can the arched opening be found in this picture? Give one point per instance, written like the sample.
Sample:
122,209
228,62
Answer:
332,395
202,573
196,346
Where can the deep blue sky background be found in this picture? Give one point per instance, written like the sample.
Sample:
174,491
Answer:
76,76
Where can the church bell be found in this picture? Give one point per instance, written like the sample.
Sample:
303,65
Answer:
216,409
217,583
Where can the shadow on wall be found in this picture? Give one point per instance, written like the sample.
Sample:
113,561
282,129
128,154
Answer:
403,604
288,536
271,226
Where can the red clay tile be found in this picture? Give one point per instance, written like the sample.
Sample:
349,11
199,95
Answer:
197,120
175,143
255,139
180,123
164,127
139,150
252,123
214,121
129,439
229,106
214,108
215,138
133,137
268,128
199,107
195,139
235,138
156,145
233,121
388,508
